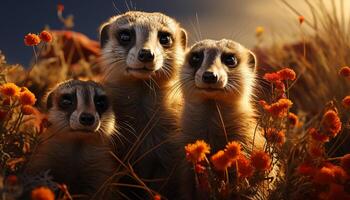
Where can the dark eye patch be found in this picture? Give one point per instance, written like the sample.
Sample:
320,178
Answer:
165,38
195,59
101,103
125,37
229,59
67,101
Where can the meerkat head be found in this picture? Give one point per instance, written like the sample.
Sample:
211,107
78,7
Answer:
80,106
142,45
220,69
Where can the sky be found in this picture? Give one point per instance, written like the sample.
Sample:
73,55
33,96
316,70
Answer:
233,19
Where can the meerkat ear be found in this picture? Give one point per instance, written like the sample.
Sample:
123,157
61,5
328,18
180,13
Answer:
183,35
104,34
49,103
252,60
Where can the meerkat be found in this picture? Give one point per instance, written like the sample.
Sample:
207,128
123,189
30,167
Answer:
141,54
76,146
217,82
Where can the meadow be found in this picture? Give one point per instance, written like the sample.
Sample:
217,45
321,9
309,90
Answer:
303,101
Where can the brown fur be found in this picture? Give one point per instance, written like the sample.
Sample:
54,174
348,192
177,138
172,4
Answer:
79,158
221,112
142,103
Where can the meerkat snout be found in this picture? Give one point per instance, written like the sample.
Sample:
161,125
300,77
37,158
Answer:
80,106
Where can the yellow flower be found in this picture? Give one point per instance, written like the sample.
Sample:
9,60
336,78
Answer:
259,31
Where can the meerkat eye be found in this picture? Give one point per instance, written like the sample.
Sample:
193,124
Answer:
124,37
101,103
165,39
66,101
230,60
196,59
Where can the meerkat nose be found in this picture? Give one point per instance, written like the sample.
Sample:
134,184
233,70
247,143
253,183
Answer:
209,77
146,55
86,119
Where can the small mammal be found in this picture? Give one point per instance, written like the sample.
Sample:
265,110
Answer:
217,81
142,53
75,147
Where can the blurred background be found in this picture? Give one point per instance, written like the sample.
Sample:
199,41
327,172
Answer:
236,19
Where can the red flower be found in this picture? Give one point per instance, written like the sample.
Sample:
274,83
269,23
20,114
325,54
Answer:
345,71
316,150
31,39
346,102
233,150
60,7
337,192
157,197
272,77
220,161
245,168
42,193
46,36
261,160
318,136
279,108
331,123
306,169
293,119
274,136
196,152
200,169
287,74
345,162
324,176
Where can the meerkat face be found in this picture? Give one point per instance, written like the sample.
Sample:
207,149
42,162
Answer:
142,45
80,106
218,69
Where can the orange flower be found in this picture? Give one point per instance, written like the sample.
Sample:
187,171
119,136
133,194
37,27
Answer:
60,7
42,193
245,168
279,108
28,110
287,74
293,119
345,71
261,160
345,162
331,123
306,169
196,152
324,176
157,197
220,161
31,39
346,101
45,36
272,77
274,136
317,135
233,150
9,89
301,19
27,98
